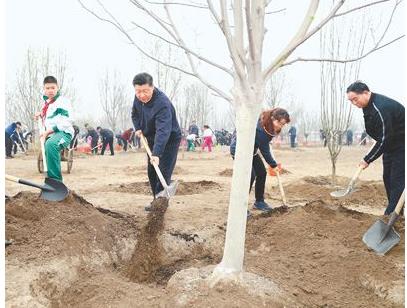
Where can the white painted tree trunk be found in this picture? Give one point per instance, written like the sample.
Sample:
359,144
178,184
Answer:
246,120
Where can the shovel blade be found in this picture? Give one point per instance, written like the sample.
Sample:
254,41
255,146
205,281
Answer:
376,238
170,192
342,193
58,192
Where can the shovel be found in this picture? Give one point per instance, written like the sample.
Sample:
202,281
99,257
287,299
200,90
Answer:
52,190
344,192
169,189
382,237
280,185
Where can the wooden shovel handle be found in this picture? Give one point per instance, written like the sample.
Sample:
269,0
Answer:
400,204
280,185
157,169
42,142
355,176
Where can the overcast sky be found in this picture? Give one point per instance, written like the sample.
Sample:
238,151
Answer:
92,47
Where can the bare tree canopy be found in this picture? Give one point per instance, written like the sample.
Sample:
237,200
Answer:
113,98
24,97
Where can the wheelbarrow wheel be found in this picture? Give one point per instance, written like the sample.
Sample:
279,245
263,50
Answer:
40,163
70,160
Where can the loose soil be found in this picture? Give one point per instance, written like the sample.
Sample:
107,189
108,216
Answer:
99,248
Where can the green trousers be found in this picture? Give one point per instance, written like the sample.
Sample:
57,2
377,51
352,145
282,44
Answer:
53,146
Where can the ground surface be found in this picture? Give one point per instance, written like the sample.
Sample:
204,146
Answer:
99,248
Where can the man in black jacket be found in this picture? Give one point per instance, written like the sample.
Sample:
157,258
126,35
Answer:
107,138
154,116
384,122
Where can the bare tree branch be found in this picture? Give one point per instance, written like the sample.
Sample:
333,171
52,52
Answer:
199,6
191,62
360,7
343,60
299,37
276,11
117,26
376,47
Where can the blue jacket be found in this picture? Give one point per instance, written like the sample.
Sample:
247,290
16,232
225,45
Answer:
261,143
157,120
11,129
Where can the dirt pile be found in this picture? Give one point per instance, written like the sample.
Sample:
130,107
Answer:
369,193
184,188
226,172
315,253
146,258
42,229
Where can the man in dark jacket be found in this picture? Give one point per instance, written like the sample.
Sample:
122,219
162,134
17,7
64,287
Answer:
107,139
95,138
384,122
10,130
154,117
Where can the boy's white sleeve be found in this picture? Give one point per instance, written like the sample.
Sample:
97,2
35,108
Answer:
64,117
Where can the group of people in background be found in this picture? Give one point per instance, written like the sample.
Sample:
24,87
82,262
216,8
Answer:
155,122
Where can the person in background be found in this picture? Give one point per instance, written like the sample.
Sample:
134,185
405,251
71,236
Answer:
92,133
207,138
107,139
9,132
293,135
127,138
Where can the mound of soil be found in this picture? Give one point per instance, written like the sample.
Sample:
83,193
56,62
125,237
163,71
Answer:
316,254
184,188
226,172
369,193
41,229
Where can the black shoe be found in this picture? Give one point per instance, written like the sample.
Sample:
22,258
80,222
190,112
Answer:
9,242
9,156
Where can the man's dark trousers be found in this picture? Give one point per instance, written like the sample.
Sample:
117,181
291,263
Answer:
9,145
393,176
167,165
107,141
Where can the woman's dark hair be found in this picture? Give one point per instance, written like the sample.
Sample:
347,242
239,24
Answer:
206,126
357,87
268,116
142,78
50,79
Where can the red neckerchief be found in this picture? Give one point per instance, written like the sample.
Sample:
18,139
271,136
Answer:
45,107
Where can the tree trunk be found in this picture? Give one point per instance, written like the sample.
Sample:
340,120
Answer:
246,120
333,175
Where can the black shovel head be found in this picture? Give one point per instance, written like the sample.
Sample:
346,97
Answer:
376,238
58,192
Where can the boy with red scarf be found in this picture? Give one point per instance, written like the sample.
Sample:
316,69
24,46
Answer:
56,120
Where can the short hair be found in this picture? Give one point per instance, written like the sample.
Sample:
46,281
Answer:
18,123
206,126
142,79
98,127
86,124
357,87
50,79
